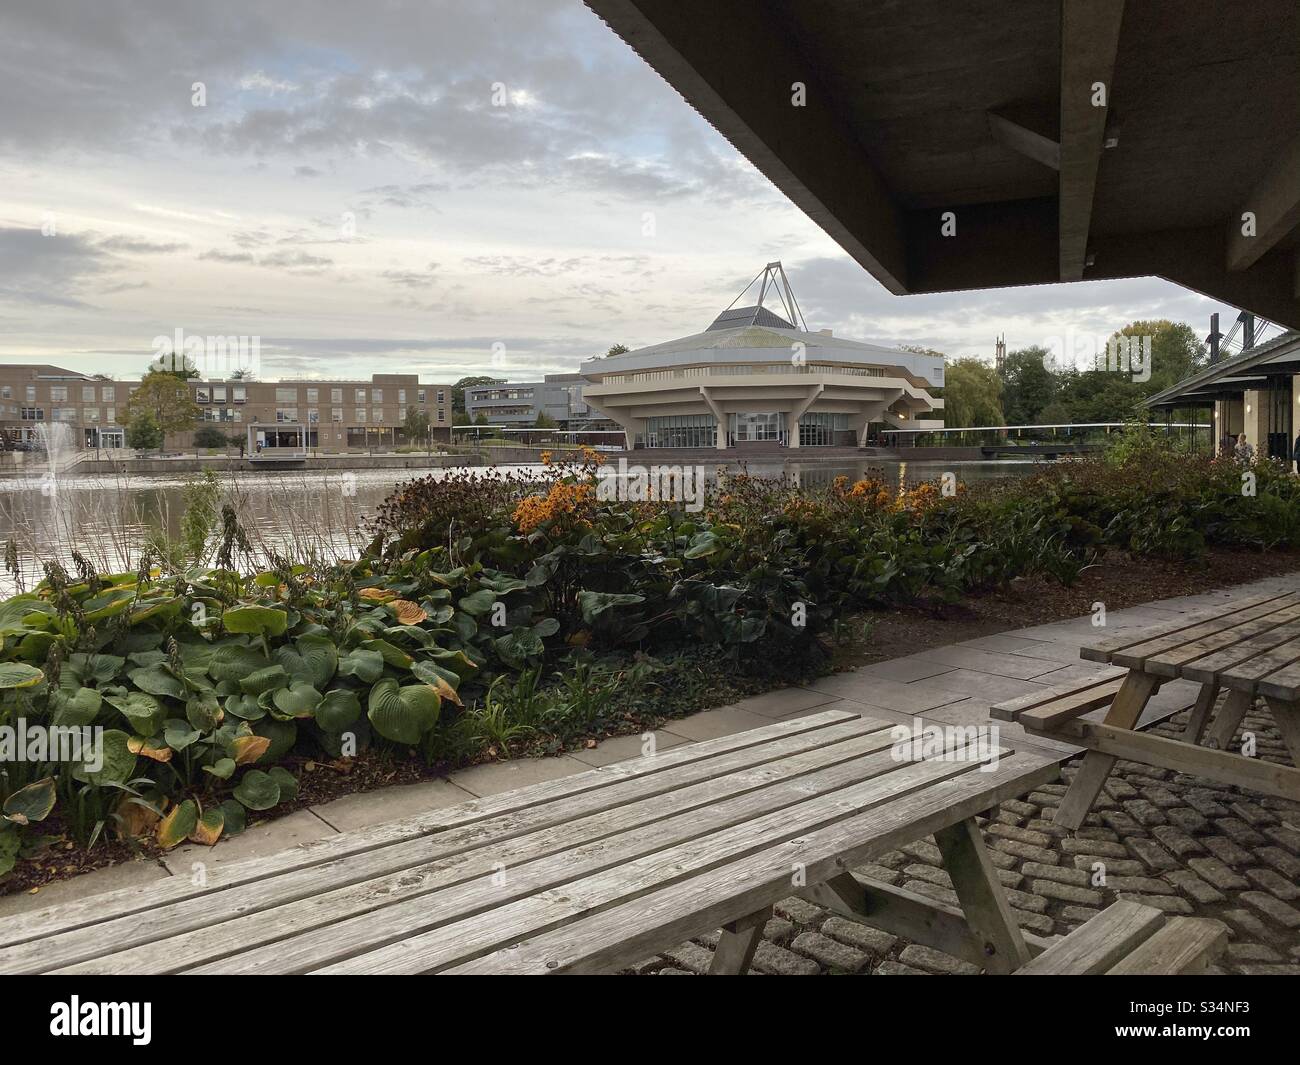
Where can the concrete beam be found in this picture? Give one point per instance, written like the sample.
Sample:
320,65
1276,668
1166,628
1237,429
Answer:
1089,43
1274,207
739,70
1024,140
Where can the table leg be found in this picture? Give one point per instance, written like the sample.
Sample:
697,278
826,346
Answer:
1287,716
1200,715
736,947
1230,714
980,893
1124,712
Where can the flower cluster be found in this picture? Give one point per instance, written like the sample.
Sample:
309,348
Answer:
566,503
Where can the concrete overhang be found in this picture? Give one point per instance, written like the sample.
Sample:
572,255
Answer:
951,144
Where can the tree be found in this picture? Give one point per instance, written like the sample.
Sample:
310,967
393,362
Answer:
1028,385
458,389
167,397
242,375
971,394
544,421
210,436
142,432
617,349
416,426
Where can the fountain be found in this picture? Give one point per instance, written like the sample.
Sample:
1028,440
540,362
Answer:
59,442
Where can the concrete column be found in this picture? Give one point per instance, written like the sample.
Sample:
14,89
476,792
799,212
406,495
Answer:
718,414
800,409
1254,419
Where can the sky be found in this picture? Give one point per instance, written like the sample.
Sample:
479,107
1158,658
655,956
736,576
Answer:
499,187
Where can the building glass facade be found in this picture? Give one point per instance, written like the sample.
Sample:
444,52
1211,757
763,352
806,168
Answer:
682,430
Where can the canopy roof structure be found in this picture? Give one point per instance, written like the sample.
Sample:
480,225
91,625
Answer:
1228,378
964,144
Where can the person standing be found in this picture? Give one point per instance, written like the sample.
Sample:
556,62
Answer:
1244,453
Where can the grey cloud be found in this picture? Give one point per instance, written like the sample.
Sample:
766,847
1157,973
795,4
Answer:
51,270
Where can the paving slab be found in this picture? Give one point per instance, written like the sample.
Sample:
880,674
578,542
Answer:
270,837
906,670
988,688
721,722
389,804
621,748
95,882
998,663
496,777
785,702
875,691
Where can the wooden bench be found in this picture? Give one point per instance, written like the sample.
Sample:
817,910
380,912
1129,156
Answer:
1129,939
591,872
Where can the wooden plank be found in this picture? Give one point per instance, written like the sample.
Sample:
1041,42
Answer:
267,910
1009,709
1124,713
1201,711
981,896
1228,718
1098,945
1286,715
630,931
1282,781
1242,666
736,945
1183,946
1044,717
1283,684
1231,640
916,918
146,898
1101,650
427,934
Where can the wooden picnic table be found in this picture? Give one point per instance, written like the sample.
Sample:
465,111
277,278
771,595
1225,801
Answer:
591,872
1249,650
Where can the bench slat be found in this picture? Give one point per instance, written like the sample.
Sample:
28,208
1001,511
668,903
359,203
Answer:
1136,655
498,871
1071,706
1235,642
41,924
1185,945
1102,650
1009,709
637,927
1099,944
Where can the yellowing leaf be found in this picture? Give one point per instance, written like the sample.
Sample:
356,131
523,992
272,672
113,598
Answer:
408,613
147,748
209,827
177,825
248,749
377,595
134,819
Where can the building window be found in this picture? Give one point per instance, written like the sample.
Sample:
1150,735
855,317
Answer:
58,393
441,397
218,393
682,430
336,395
287,397
376,395
420,397
819,429
313,395
108,393
6,392
64,414
110,415
201,395
90,414
361,415
336,415
442,415
31,393
378,415
401,397
87,393
238,415
239,393
286,414
313,416
361,395
33,414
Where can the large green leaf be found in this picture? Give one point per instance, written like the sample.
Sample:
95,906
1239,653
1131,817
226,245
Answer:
159,680
245,706
282,734
18,675
255,620
30,803
10,844
145,714
75,708
265,680
179,734
390,653
23,612
312,659
593,604
233,662
176,827
118,761
339,709
480,602
96,669
403,714
300,699
367,666
257,790
203,711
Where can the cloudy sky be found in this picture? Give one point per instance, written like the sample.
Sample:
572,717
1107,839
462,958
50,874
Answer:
451,187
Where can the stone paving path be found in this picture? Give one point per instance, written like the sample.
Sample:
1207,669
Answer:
1186,845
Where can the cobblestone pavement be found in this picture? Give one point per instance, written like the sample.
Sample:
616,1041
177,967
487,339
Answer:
1183,844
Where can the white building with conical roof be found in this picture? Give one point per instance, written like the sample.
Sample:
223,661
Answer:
754,375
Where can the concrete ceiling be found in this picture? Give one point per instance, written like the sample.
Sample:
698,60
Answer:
985,108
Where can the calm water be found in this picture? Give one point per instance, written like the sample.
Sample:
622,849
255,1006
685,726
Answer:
108,519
